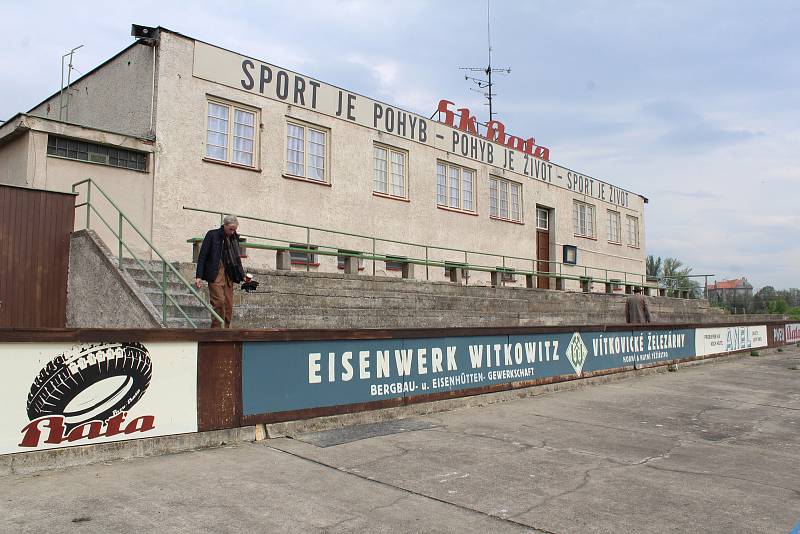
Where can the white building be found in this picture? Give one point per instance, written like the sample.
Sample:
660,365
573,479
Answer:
172,122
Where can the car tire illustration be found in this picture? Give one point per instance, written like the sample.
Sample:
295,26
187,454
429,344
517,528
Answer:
69,384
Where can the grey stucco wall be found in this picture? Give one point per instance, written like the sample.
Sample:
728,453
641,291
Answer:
117,97
14,162
98,295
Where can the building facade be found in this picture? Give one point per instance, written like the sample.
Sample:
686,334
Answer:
205,128
737,292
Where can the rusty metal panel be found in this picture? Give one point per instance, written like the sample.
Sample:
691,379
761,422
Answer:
219,386
776,334
35,227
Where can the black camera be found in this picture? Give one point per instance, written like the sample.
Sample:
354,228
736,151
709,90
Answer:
249,285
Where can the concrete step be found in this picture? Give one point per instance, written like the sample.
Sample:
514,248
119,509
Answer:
184,300
172,287
140,275
377,300
183,323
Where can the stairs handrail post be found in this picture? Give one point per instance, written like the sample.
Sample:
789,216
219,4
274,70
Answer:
164,292
119,239
88,201
165,263
308,246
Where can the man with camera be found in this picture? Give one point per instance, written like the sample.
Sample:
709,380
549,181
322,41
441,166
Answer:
220,264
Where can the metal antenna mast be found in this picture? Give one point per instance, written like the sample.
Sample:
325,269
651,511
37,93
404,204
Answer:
63,107
486,83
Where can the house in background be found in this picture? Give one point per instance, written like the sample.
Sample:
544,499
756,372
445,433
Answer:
737,292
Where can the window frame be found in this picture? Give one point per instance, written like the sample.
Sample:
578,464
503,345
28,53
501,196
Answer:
628,219
546,211
578,231
617,241
309,258
233,107
62,146
306,126
396,263
473,210
509,193
340,260
390,151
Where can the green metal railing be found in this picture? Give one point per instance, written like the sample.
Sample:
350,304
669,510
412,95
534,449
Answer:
166,267
554,268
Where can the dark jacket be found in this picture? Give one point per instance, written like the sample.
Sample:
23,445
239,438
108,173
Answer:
211,255
636,309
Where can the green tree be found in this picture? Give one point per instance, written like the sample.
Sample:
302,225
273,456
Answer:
762,299
653,266
778,306
676,277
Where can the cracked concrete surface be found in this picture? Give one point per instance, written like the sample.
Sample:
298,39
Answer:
710,448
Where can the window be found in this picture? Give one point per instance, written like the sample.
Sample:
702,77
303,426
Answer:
455,187
306,152
390,171
614,227
395,264
95,153
303,258
341,259
505,199
542,219
228,122
583,219
633,231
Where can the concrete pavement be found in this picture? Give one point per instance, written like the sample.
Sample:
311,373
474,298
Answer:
709,448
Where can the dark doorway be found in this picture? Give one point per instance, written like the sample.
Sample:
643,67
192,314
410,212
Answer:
542,246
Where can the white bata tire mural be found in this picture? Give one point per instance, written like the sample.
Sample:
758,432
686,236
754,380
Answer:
63,394
91,383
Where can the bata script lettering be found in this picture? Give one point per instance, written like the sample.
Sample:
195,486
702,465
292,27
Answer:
57,434
495,131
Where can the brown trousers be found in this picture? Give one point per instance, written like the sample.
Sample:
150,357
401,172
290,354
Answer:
221,291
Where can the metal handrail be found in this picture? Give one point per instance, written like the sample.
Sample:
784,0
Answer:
165,265
556,268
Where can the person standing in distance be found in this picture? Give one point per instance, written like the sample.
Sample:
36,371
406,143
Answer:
636,309
220,264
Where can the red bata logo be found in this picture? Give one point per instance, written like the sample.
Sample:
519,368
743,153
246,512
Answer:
86,392
57,430
495,131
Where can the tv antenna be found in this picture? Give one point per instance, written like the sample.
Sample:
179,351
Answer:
486,83
63,107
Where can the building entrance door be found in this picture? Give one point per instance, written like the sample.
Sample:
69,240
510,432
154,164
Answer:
542,246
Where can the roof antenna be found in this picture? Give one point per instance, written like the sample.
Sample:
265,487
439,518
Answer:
63,107
486,83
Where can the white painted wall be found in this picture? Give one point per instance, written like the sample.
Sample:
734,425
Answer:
182,178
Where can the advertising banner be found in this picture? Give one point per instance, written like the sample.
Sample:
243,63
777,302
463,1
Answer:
729,339
792,333
62,394
284,375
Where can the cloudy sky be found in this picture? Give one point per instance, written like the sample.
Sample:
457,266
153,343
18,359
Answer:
693,104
